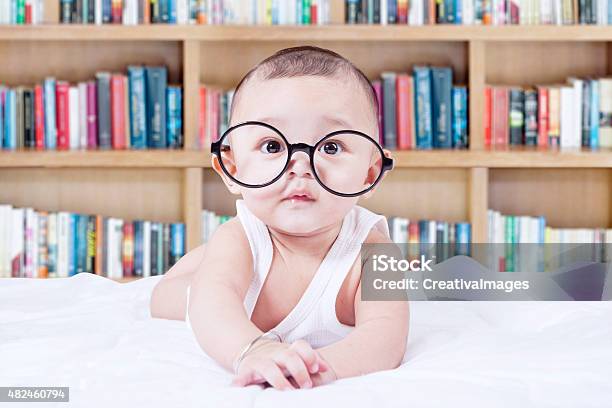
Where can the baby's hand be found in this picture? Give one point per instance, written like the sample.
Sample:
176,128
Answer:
278,363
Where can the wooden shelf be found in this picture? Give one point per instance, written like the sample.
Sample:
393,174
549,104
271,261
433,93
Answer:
331,32
178,159
126,279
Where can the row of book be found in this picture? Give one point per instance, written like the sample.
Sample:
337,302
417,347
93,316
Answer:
532,246
478,12
521,229
131,12
113,111
22,11
210,221
45,244
422,110
573,115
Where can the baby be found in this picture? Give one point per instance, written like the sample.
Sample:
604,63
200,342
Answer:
275,294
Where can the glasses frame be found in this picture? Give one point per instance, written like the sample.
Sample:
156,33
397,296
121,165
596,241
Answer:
216,149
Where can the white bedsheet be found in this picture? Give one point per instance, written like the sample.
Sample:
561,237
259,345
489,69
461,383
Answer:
97,337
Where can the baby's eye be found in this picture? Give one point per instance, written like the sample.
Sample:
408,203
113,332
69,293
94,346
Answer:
331,148
271,146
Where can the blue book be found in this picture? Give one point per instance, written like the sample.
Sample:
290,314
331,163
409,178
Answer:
450,7
138,110
164,10
463,238
173,116
107,16
10,108
72,242
392,11
275,12
422,103
171,11
138,248
441,88
177,241
49,107
459,118
81,242
594,139
389,80
458,12
156,83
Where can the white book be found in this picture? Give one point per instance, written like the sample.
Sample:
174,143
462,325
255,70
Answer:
146,249
73,117
577,83
63,224
118,243
83,115
5,240
98,12
467,11
182,11
384,12
566,116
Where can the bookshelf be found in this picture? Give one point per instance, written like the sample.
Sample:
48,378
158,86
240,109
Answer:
571,188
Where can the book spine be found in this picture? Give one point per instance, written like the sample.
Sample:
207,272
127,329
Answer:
128,249
73,117
554,112
63,118
389,102
50,126
39,117
171,119
92,116
422,85
177,231
543,116
442,82
500,116
117,112
107,11
138,118
100,234
402,111
52,245
154,249
28,119
516,119
594,136
586,114
531,117
138,246
104,113
90,259
146,249
83,137
459,121
65,11
81,265
156,83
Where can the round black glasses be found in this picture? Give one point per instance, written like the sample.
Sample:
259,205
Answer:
347,163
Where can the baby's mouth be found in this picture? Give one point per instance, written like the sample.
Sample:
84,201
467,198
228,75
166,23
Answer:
299,198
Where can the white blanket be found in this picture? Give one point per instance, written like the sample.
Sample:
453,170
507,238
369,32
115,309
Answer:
97,337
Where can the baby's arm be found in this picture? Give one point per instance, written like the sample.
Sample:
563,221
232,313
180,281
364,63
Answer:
222,327
379,337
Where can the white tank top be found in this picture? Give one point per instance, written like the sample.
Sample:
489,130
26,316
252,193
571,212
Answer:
314,317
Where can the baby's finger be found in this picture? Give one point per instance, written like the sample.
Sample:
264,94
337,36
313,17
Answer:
307,354
296,368
273,375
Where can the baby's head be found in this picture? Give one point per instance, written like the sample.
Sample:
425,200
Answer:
305,93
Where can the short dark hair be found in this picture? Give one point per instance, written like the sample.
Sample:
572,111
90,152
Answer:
308,60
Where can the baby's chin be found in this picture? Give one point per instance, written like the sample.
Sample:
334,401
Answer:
301,222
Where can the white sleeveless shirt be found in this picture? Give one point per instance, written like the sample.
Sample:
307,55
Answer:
314,317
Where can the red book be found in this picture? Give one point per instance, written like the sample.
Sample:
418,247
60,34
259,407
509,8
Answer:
202,119
92,115
215,115
62,115
128,249
28,13
39,117
402,94
117,11
542,116
313,13
402,12
117,91
499,126
487,116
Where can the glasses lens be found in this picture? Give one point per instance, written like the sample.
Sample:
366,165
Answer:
253,154
347,163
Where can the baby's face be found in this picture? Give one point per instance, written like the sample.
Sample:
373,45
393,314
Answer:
304,109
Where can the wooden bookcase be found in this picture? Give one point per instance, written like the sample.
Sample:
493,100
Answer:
571,188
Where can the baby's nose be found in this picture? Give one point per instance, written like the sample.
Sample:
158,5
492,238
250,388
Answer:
300,165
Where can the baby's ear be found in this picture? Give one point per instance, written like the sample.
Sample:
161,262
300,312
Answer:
229,183
369,194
